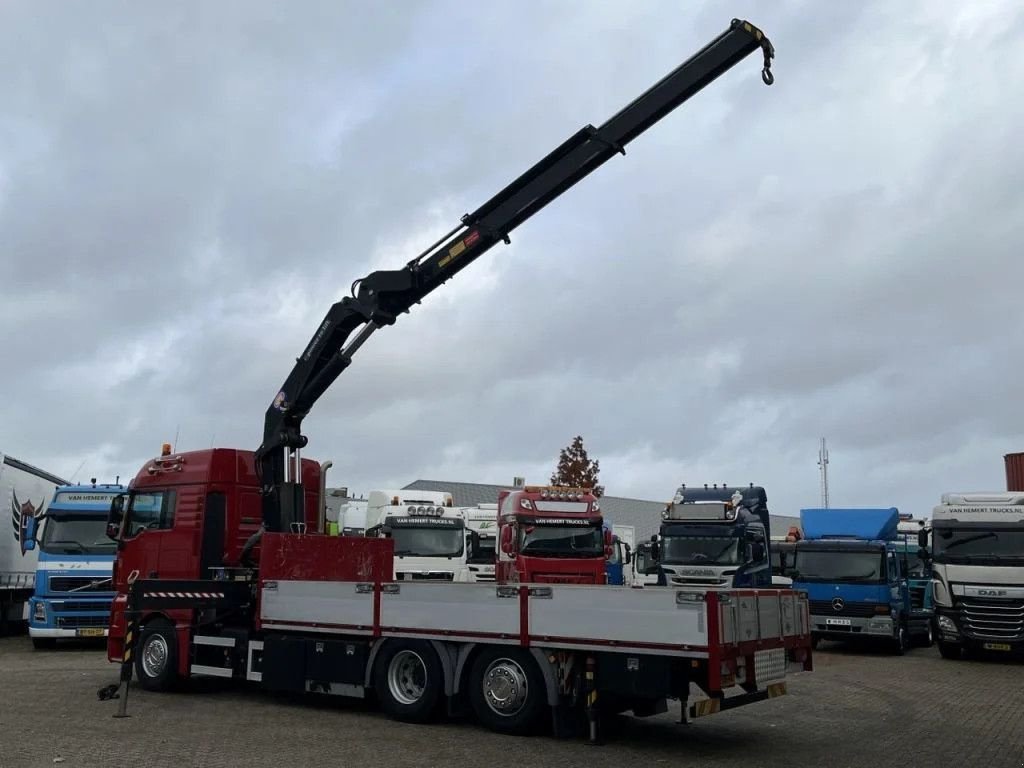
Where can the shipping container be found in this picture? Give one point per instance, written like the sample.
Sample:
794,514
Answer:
1014,471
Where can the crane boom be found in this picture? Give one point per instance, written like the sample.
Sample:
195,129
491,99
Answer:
380,297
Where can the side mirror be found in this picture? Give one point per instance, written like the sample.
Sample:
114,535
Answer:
655,551
627,558
385,531
923,554
115,516
31,529
922,539
608,543
507,544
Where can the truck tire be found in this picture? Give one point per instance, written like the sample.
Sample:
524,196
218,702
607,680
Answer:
507,691
409,680
927,638
156,656
44,643
950,651
900,643
815,639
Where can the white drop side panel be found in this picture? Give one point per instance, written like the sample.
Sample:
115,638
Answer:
620,614
329,603
452,607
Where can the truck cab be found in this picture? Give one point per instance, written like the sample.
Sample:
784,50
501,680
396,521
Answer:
551,534
428,531
977,558
482,524
74,588
617,567
716,536
849,563
913,536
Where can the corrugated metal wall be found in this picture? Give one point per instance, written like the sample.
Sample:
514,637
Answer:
1014,471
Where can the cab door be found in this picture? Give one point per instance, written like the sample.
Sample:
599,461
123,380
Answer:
149,521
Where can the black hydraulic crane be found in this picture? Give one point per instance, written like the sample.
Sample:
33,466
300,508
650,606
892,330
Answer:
380,297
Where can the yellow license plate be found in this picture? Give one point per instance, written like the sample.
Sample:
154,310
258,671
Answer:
996,647
91,632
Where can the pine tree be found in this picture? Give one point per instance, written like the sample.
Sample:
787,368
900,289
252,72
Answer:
575,469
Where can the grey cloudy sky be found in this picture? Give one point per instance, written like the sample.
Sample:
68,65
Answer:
185,188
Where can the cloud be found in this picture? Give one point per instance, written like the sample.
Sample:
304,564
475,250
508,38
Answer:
184,191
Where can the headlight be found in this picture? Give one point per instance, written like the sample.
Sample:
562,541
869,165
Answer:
946,624
40,611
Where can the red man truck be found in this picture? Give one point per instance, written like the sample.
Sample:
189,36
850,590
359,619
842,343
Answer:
224,570
551,535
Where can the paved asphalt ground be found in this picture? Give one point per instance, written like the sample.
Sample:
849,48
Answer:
858,708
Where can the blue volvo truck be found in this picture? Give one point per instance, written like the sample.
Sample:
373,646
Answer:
851,564
73,589
717,536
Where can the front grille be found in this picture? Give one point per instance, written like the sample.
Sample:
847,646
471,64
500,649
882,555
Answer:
562,578
71,622
853,610
432,576
69,606
484,576
917,597
81,584
993,619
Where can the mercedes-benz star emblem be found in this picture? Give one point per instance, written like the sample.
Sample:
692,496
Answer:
837,603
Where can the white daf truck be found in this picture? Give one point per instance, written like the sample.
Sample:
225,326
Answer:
977,552
428,531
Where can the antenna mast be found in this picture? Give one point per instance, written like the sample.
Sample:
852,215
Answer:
823,464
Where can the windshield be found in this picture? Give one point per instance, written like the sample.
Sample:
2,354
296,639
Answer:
833,565
76,534
561,541
483,553
411,541
972,544
706,550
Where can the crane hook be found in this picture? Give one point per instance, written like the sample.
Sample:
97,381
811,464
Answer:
767,76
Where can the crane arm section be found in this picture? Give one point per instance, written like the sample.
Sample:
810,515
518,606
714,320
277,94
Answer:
379,298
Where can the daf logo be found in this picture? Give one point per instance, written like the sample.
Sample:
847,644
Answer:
838,603
992,593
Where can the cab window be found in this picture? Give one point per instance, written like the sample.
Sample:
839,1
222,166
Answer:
150,510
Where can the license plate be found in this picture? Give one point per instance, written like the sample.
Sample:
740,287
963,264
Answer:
838,622
91,632
996,647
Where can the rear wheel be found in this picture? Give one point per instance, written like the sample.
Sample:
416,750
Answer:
409,680
156,656
44,643
506,690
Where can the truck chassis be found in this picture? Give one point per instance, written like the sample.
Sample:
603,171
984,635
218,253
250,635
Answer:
515,654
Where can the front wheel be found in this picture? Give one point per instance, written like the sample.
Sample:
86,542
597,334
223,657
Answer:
950,651
156,656
506,690
900,641
928,638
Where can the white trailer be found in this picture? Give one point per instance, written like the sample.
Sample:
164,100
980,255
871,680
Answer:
429,533
25,492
